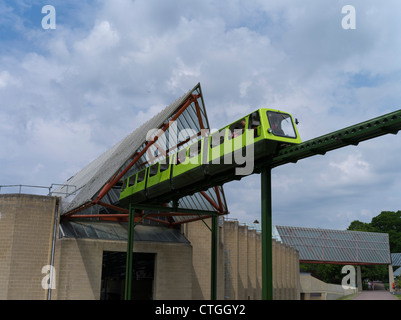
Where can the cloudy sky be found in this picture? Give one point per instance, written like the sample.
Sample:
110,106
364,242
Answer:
70,93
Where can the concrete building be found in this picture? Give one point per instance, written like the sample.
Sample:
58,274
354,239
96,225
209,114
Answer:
43,258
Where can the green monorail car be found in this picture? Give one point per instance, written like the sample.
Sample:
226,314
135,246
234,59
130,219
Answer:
188,166
159,175
264,130
135,187
257,135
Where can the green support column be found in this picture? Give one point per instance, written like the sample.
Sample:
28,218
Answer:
130,249
267,256
213,280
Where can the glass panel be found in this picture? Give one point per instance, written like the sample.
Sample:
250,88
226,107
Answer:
281,124
164,166
182,155
141,176
254,123
254,120
217,138
238,128
153,170
195,149
125,184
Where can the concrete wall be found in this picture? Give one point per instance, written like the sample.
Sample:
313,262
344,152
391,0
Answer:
240,264
315,289
182,270
26,233
79,265
200,235
26,228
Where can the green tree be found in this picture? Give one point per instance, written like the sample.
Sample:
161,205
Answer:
357,225
389,222
386,222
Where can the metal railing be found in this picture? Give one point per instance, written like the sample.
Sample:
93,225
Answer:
31,189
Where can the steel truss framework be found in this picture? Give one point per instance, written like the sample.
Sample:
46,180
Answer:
189,113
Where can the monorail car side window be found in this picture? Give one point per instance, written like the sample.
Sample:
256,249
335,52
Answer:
238,128
141,176
254,123
164,166
217,138
125,184
131,180
153,170
195,149
182,155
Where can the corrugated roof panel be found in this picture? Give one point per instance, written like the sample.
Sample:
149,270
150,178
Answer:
396,259
337,245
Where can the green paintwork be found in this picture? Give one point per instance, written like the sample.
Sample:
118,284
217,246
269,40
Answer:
216,155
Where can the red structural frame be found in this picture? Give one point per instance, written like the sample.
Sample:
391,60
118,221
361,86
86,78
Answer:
124,215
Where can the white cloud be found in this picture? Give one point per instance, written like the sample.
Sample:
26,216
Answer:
352,170
82,87
102,37
6,80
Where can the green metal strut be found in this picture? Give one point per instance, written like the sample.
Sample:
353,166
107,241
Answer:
267,256
130,253
213,277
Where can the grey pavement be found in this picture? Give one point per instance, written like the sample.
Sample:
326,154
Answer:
377,294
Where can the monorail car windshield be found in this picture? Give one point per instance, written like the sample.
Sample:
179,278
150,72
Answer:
263,132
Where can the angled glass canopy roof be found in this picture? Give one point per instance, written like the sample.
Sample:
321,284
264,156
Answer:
396,259
96,188
336,246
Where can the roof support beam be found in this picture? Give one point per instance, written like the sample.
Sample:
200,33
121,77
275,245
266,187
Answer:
112,182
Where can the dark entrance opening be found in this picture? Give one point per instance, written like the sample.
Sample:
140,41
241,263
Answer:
113,275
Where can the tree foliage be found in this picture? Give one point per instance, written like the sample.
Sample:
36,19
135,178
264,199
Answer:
386,222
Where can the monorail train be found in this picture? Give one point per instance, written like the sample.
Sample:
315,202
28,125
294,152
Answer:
261,132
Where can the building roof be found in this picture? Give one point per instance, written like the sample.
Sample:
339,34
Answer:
119,231
336,246
83,189
396,259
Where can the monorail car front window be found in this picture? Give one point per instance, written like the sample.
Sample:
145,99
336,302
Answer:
281,124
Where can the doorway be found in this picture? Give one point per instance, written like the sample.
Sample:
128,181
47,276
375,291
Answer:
113,275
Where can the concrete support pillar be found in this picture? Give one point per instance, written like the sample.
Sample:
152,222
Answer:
359,278
275,270
390,277
252,264
231,252
242,262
